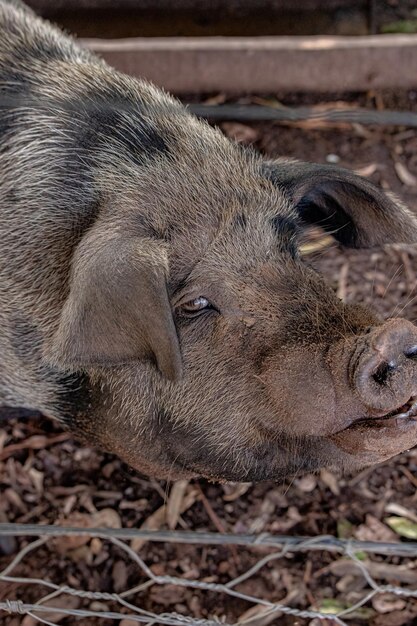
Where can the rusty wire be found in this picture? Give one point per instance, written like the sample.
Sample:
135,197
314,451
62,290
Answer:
282,546
337,115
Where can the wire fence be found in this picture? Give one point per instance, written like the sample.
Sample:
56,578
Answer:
127,603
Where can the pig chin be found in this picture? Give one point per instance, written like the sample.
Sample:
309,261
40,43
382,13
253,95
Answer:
360,445
179,453
275,459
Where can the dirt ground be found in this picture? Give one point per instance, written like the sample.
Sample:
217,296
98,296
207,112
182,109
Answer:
46,476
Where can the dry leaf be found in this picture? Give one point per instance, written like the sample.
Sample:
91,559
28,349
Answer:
261,615
240,132
219,98
159,518
367,170
96,546
307,483
153,522
98,606
397,509
379,571
174,503
374,530
36,442
119,576
37,479
395,618
60,602
106,518
404,175
233,491
387,602
316,246
3,438
330,481
14,498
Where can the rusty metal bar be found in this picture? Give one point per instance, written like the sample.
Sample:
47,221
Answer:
256,113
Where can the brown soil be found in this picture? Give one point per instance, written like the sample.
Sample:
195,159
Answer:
48,476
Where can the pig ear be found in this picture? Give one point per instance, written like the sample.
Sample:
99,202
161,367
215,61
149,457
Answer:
354,210
117,309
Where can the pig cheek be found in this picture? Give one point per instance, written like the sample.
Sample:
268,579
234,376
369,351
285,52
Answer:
303,394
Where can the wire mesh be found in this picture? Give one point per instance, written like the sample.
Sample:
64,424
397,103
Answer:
127,604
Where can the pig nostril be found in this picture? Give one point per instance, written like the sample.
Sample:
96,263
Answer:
411,353
382,373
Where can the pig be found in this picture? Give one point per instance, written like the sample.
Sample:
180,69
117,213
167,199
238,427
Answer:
153,298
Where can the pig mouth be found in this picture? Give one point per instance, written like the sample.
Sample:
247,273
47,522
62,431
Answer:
374,439
405,413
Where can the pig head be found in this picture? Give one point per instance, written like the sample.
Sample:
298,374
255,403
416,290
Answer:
152,295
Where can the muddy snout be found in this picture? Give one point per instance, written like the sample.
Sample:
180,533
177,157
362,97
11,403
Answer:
385,367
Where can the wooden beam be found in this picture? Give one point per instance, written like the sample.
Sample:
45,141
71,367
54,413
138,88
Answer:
266,64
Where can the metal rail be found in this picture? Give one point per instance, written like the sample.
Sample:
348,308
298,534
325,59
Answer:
328,543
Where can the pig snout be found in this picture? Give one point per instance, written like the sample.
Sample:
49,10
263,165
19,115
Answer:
385,367
383,375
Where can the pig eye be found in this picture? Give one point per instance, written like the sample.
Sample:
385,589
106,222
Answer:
195,307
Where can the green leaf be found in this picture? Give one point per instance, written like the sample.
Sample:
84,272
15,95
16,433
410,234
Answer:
402,26
331,606
402,526
344,529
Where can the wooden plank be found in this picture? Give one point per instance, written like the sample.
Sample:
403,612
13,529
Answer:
266,64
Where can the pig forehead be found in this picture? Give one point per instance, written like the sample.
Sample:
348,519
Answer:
246,251
232,231
256,233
